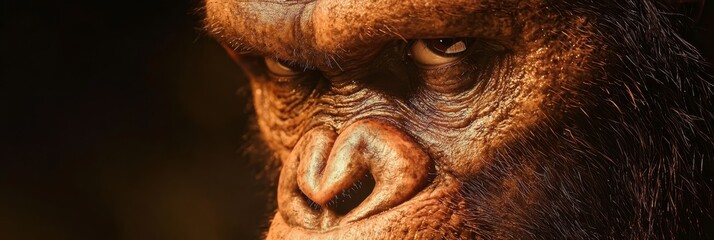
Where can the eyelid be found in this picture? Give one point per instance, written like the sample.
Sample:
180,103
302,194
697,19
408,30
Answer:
280,69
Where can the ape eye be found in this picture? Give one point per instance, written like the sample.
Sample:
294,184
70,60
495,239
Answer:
282,68
434,52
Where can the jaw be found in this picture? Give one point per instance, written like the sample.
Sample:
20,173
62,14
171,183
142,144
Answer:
424,216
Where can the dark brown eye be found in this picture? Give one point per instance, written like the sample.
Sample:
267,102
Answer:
447,46
434,52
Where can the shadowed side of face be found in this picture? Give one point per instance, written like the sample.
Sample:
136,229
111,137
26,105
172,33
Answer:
430,118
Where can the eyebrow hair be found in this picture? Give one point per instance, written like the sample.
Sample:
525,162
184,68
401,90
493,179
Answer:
290,29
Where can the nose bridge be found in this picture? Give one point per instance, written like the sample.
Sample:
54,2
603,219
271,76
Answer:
343,106
366,93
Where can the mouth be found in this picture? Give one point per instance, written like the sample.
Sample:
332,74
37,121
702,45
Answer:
424,216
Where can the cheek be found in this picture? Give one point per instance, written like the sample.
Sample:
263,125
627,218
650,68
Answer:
500,116
514,101
281,113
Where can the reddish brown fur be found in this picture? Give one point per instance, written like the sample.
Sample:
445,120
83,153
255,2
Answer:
565,120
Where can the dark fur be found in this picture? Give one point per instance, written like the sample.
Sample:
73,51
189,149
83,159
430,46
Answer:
635,169
635,164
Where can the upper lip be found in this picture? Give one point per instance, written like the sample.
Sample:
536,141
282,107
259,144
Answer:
428,202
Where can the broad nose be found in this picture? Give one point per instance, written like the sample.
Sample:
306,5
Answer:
331,179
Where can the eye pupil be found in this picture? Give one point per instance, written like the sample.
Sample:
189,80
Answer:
447,45
442,44
435,52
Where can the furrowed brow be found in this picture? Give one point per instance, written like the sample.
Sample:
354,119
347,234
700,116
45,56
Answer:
296,29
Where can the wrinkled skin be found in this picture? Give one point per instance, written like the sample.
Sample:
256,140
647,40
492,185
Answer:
559,120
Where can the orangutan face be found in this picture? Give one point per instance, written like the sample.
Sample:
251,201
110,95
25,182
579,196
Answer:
397,119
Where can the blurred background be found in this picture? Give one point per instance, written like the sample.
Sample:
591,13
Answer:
123,120
120,120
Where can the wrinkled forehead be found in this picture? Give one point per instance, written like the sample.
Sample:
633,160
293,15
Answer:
305,29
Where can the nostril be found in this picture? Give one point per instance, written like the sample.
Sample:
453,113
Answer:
369,168
351,197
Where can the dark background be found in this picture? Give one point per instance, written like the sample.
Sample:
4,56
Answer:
120,120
